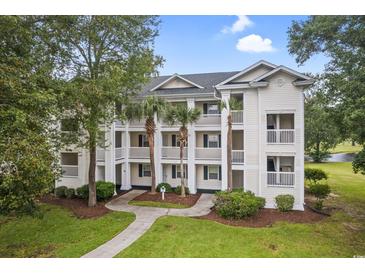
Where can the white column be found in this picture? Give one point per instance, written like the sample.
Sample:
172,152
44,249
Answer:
224,130
158,145
109,154
191,152
126,174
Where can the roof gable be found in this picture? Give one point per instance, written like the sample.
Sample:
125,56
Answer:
250,73
284,69
176,81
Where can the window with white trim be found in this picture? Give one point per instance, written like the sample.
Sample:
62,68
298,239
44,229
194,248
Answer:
144,141
213,140
212,108
213,172
178,171
146,170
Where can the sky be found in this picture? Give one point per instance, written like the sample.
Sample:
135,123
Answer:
196,44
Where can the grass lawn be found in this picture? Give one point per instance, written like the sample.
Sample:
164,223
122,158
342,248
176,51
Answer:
346,147
58,233
332,237
157,204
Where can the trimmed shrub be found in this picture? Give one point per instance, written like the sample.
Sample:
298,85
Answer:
238,204
104,190
167,186
284,202
60,191
321,192
178,190
70,193
314,174
83,192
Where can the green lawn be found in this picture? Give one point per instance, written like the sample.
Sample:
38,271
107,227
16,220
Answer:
58,233
188,237
157,204
346,147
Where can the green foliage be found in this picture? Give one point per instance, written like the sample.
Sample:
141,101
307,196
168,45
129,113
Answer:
177,190
358,165
104,190
60,191
284,202
341,39
70,193
237,205
321,132
83,192
320,190
27,111
314,174
167,186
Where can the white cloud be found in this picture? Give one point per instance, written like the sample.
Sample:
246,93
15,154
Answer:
242,22
254,43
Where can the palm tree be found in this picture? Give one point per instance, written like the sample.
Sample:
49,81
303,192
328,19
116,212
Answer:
183,116
231,104
147,109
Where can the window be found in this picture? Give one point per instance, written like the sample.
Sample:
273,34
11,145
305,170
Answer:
178,172
212,109
213,172
68,124
146,170
142,140
69,159
213,140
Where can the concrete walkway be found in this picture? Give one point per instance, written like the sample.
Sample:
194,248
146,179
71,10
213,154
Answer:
145,217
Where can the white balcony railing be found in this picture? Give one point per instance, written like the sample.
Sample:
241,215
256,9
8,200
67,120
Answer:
284,179
173,152
139,152
280,136
209,120
208,153
238,156
70,171
119,153
237,116
100,155
137,123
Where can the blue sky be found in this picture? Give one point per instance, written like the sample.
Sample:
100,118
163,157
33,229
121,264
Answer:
193,44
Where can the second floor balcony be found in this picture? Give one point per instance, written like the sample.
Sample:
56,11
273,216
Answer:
208,153
173,153
139,152
209,120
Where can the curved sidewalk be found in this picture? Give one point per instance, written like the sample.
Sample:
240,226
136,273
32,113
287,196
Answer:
145,217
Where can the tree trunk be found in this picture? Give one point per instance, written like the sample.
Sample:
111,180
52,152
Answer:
92,167
150,130
182,177
229,153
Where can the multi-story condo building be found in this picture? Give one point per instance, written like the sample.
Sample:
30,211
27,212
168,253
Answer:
268,136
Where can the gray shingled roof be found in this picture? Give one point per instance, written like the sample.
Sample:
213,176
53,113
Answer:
206,80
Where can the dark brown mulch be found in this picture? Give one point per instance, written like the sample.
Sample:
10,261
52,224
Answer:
172,198
79,206
266,217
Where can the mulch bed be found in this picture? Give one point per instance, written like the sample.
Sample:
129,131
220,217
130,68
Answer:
79,206
172,198
267,217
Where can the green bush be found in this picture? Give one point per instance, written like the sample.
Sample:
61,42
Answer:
60,191
238,204
284,202
314,174
178,190
167,186
70,193
83,192
104,190
321,192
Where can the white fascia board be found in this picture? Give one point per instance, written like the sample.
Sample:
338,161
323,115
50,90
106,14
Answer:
242,86
259,63
173,77
281,68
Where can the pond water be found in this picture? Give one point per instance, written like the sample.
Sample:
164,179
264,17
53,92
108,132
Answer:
338,157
